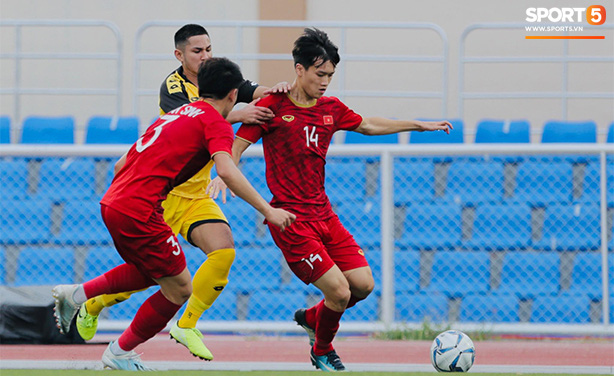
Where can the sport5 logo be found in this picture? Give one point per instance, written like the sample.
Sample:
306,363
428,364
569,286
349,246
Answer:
312,258
595,14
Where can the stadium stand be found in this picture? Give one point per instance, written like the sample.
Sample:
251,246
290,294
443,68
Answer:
591,191
67,179
414,181
345,180
359,138
567,131
501,131
489,308
491,227
2,266
610,137
541,183
362,219
366,310
45,266
266,305
48,130
530,274
570,227
25,222
431,226
82,224
99,260
406,271
242,219
5,130
112,130
586,274
473,183
255,269
14,178
456,274
254,171
421,306
563,308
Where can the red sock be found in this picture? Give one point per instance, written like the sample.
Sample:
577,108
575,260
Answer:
150,319
312,313
125,277
353,300
326,328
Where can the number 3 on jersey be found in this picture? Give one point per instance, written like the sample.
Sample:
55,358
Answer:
311,137
157,130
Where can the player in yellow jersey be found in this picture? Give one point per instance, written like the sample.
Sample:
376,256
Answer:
188,209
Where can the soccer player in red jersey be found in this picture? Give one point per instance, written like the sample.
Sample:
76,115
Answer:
172,150
317,247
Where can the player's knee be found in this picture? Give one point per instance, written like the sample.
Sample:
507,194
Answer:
363,287
340,297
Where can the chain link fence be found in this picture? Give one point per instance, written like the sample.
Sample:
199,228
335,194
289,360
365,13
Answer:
485,239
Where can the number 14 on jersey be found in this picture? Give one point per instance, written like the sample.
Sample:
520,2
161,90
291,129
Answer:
311,136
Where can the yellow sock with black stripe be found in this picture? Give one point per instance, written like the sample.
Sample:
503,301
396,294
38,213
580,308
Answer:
208,283
95,305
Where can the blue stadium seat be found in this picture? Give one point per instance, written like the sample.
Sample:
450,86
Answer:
48,130
345,180
541,184
242,219
561,309
610,138
501,227
529,274
359,138
67,179
256,269
410,307
489,308
475,183
254,170
431,226
570,227
362,219
406,271
586,274
274,305
5,130
500,131
112,130
455,136
374,258
14,178
45,266
127,310
100,260
591,192
569,131
2,266
25,222
82,224
364,310
456,273
414,181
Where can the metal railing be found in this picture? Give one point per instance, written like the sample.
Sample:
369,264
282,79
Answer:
19,55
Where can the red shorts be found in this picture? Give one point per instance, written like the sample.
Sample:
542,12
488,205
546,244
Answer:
151,247
312,248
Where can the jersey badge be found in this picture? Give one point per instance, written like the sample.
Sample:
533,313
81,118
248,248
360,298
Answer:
288,118
328,120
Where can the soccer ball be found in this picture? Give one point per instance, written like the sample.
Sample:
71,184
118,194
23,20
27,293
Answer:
452,351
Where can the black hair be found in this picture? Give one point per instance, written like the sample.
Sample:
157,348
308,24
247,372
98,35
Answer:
314,47
217,77
182,35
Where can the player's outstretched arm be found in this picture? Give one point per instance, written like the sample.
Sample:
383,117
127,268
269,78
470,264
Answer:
379,126
280,87
217,185
251,114
234,179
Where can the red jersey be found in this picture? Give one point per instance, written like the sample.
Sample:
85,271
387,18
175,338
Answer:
172,150
295,144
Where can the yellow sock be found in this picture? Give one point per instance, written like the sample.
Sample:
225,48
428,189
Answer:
208,283
95,305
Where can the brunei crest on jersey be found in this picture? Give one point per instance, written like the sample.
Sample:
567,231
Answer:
287,118
328,119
